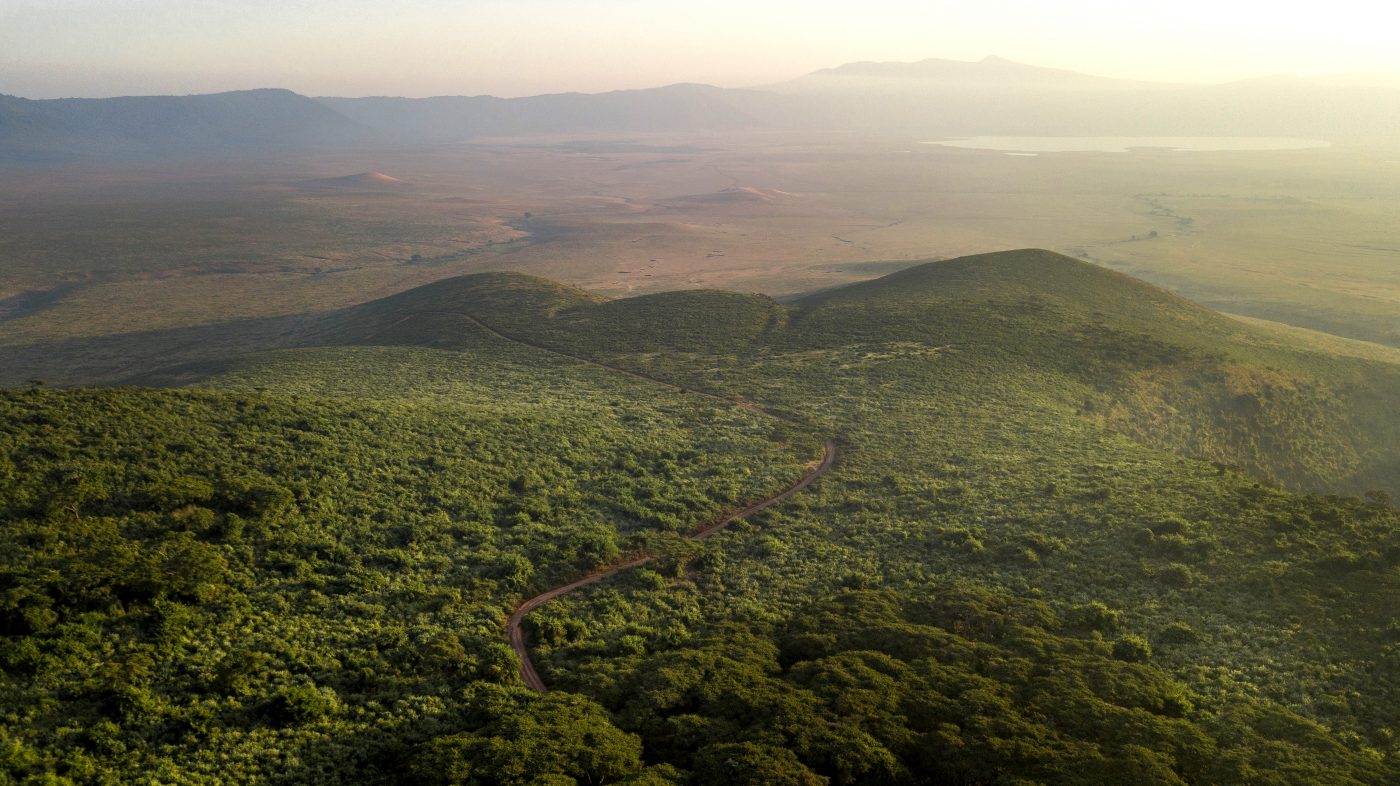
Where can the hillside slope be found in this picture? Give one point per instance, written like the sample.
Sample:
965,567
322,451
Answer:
1126,354
1151,364
301,570
558,315
315,552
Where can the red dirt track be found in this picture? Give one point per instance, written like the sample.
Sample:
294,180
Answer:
514,632
516,635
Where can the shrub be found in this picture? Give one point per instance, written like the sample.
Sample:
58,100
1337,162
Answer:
304,703
1094,616
1178,633
1132,648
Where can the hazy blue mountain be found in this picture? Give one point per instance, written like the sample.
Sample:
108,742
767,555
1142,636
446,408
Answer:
932,97
161,126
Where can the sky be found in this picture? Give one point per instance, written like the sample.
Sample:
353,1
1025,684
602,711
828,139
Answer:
55,48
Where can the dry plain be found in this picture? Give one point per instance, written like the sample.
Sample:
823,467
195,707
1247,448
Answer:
1305,237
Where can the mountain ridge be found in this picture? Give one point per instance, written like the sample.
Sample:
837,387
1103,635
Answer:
137,127
933,96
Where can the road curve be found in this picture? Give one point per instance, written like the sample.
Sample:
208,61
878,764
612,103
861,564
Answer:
515,634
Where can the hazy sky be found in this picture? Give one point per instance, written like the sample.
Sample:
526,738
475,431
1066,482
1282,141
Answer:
54,48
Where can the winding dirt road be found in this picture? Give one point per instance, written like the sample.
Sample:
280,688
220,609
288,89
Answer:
515,634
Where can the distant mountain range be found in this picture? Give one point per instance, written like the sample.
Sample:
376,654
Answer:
933,97
162,126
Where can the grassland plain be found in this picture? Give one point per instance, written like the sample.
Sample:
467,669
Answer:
998,583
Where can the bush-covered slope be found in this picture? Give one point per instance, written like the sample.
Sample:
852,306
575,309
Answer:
424,316
299,572
1268,612
692,321
559,316
1147,363
1156,367
971,397
1015,285
293,578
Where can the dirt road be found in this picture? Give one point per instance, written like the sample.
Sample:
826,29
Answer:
516,635
514,632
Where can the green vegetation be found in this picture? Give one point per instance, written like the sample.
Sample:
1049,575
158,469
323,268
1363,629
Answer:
299,571
952,685
1154,366
1128,355
254,585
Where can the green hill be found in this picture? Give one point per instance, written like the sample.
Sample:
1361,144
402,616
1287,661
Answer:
430,315
1128,355
693,321
552,313
1150,364
1044,277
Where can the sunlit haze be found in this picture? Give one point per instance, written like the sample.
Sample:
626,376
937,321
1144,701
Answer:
51,48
